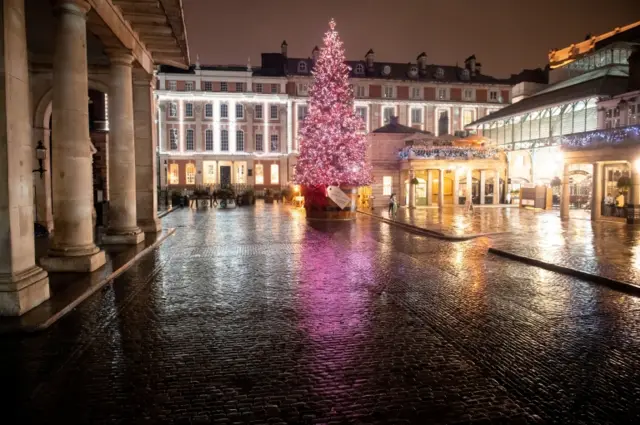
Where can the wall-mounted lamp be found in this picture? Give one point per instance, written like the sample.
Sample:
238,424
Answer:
41,155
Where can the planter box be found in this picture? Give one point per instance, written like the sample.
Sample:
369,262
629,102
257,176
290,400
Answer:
225,205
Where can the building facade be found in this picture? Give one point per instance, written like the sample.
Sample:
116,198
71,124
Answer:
239,125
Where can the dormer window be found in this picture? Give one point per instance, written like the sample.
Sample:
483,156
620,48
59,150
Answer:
302,67
386,70
439,73
359,69
465,74
413,71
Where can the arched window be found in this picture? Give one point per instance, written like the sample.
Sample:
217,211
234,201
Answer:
302,66
359,69
239,141
190,172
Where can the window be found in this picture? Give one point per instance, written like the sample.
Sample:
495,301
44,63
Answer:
303,89
465,74
274,88
439,73
416,116
360,91
208,140
359,69
259,112
188,86
224,110
468,94
189,138
275,174
258,88
173,110
173,174
259,174
259,143
415,93
208,86
239,141
224,86
240,173
387,185
274,143
443,122
467,117
239,110
188,110
388,91
361,111
612,118
493,96
387,113
173,139
208,110
224,140
634,114
273,112
209,172
239,87
172,85
190,172
302,67
442,94
302,112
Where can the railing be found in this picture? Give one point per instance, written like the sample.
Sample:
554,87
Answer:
609,136
448,152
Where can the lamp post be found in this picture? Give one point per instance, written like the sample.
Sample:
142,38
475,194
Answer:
41,155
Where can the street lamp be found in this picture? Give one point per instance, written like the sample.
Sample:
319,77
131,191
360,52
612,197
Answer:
41,155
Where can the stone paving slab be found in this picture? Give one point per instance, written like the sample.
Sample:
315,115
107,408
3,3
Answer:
354,323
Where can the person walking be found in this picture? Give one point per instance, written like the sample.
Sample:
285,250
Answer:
468,207
393,207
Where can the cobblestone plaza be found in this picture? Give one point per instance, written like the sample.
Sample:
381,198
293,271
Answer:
255,316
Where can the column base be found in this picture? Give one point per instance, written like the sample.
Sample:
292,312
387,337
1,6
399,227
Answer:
130,238
150,226
633,214
77,263
20,293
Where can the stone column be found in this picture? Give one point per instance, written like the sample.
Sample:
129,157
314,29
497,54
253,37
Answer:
596,191
482,183
496,187
633,203
440,188
412,189
123,222
72,247
23,285
456,184
146,142
566,195
429,188
469,194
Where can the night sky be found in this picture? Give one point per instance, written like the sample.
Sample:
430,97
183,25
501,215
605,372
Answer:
505,35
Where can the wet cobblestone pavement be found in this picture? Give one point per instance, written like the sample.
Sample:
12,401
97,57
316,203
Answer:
253,316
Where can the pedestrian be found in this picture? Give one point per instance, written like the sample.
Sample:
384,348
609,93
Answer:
468,205
392,205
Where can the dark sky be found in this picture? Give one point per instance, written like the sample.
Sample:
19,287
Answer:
505,35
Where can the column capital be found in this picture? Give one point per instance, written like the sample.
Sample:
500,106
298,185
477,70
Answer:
76,7
120,56
142,77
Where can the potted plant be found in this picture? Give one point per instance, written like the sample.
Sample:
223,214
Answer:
248,197
415,180
268,196
286,194
556,182
226,197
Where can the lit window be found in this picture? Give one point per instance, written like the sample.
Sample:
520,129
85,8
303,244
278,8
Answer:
189,138
275,174
173,110
239,111
387,113
416,116
387,185
224,110
173,139
173,174
274,88
359,69
259,88
302,67
302,112
259,112
360,91
224,86
442,94
224,140
239,87
208,86
493,96
208,110
239,141
274,143
273,112
259,174
190,173
303,89
361,111
415,93
240,173
468,94
467,117
172,85
208,139
209,172
188,110
188,86
388,91
259,143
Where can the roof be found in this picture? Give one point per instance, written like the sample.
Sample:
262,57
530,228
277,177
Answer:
396,128
191,70
609,81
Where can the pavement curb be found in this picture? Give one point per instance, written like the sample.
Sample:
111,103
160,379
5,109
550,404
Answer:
93,289
170,210
612,283
427,232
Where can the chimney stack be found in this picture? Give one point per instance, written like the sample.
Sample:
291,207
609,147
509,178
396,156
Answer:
283,48
315,54
471,64
370,57
422,63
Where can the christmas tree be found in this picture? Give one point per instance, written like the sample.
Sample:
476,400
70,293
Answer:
332,148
